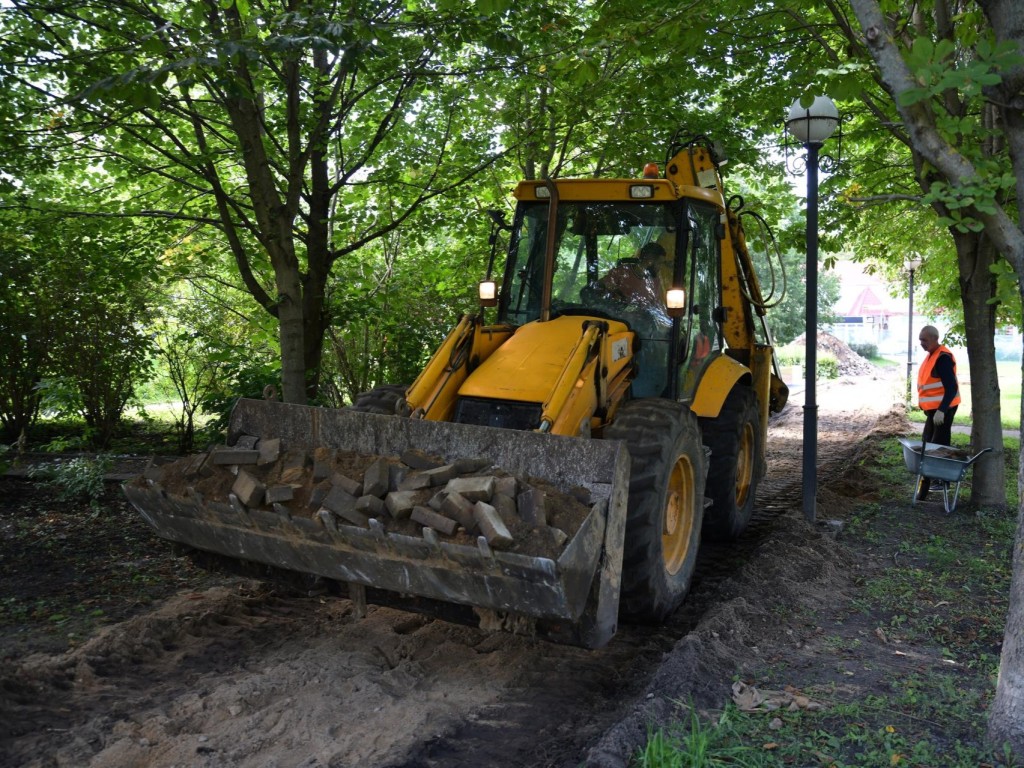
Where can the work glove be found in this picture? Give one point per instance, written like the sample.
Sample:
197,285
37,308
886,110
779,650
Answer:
939,418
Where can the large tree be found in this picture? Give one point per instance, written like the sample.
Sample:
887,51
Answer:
977,192
274,121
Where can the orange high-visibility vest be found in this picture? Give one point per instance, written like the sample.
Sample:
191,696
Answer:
929,388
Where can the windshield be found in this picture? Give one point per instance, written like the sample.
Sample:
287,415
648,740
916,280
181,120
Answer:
591,241
617,259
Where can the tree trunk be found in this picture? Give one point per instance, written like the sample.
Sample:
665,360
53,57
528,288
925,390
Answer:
1006,715
975,255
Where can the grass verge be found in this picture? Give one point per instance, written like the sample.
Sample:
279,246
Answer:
933,588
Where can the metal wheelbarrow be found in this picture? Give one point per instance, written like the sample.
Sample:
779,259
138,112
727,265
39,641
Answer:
938,462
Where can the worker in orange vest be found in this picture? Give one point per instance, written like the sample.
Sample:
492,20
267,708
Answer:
938,392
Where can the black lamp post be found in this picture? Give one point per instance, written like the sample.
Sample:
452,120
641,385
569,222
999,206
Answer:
811,126
912,264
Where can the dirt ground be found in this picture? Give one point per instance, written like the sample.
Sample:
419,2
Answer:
116,652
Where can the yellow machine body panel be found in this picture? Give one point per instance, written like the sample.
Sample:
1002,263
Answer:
528,365
566,358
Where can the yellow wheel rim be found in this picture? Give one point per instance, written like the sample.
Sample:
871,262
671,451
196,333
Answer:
745,465
680,514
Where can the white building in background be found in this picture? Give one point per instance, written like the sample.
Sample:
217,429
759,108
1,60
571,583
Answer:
868,314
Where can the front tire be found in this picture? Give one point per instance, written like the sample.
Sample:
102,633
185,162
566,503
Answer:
665,507
734,438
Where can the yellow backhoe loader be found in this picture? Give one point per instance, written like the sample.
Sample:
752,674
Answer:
627,365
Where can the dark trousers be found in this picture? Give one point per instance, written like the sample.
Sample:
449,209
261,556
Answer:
938,435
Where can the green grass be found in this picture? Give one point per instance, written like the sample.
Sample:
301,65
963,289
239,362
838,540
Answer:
1009,374
941,592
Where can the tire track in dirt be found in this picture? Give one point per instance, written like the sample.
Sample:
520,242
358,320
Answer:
246,676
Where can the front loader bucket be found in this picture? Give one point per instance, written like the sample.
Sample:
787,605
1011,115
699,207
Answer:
573,595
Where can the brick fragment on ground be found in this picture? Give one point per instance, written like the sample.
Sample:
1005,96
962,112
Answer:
279,493
246,442
491,525
347,484
428,517
248,489
530,504
414,481
400,503
371,505
458,507
440,475
472,487
376,479
338,499
270,450
419,459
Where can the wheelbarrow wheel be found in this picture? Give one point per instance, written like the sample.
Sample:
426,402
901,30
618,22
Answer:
923,486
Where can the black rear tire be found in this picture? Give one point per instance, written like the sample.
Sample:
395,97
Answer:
736,465
387,399
665,507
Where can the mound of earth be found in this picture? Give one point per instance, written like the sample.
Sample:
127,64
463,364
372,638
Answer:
850,363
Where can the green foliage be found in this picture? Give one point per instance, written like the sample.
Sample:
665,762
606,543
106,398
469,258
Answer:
78,479
828,366
699,744
867,351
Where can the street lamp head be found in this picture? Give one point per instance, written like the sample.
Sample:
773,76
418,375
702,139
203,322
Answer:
912,263
813,124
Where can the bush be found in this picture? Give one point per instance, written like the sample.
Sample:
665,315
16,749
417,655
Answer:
828,367
79,479
867,351
790,355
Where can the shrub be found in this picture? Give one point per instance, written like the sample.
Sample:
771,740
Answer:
828,367
80,479
867,351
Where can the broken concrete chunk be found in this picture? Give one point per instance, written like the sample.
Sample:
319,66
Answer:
531,507
458,507
417,459
474,488
467,466
401,503
354,516
491,526
506,507
347,484
428,517
223,456
370,505
248,489
440,475
277,493
414,481
246,442
376,479
507,485
396,474
270,451
338,499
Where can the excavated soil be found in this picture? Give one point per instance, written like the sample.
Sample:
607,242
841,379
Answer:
217,671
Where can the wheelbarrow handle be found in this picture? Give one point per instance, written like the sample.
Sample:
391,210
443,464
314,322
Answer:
975,456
